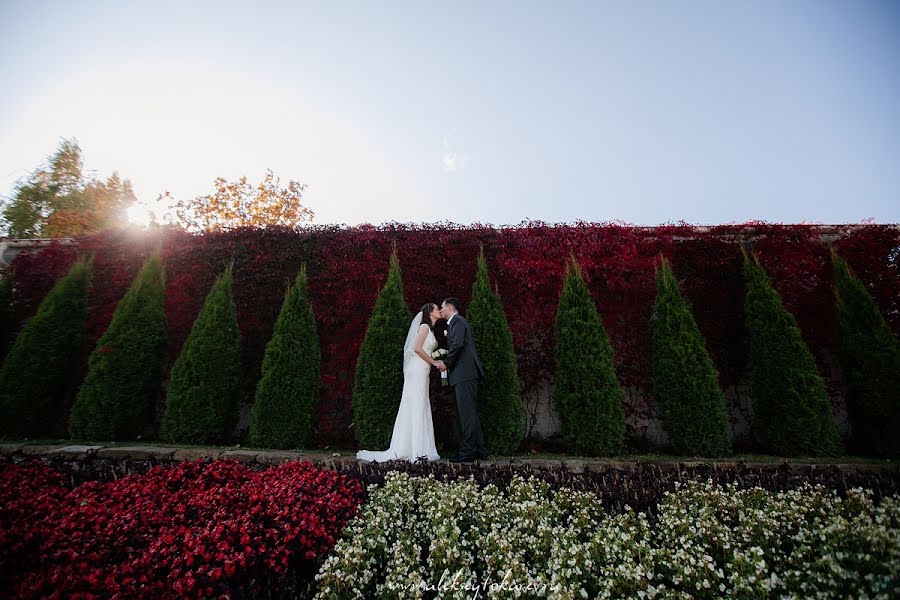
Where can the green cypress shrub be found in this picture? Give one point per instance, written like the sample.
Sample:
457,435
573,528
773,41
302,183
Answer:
36,380
378,384
588,395
283,415
202,403
791,409
870,366
117,400
499,406
685,380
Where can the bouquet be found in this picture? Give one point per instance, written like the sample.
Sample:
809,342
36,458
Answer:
439,354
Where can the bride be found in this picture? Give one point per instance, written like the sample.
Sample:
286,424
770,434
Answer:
413,435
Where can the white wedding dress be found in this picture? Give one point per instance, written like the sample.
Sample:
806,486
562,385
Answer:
413,435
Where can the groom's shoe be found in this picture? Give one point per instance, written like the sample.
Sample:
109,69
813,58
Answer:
461,459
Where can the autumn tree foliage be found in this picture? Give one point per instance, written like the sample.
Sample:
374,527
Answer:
100,205
58,200
243,204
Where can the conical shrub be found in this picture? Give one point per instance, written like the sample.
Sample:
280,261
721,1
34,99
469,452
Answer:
870,366
202,403
118,398
685,380
500,409
588,395
378,384
791,409
283,415
36,380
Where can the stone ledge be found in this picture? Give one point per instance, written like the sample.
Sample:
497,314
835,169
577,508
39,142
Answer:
8,449
540,463
244,456
137,453
277,457
41,449
74,452
190,454
574,464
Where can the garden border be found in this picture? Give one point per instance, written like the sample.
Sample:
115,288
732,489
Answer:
169,454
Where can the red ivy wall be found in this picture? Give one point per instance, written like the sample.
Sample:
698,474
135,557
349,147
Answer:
347,267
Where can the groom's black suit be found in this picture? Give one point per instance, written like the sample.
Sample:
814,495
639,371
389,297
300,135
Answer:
465,370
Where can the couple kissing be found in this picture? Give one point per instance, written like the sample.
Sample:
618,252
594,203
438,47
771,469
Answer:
413,435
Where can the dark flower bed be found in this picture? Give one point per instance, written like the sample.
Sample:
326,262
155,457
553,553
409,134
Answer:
122,529
643,485
195,529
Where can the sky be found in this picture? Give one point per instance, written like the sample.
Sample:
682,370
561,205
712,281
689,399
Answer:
490,112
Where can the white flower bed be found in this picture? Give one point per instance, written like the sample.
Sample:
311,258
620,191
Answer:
417,536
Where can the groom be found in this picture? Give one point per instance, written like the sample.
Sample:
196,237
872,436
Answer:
465,371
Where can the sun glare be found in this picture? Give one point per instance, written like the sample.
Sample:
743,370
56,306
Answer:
139,215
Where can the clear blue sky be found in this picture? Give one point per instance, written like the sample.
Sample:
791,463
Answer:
492,112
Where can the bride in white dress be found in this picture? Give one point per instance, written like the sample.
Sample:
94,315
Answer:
413,435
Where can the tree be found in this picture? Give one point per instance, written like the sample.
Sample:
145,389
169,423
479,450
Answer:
283,415
58,200
36,379
499,406
870,365
588,395
378,384
241,204
100,206
685,380
202,402
791,410
118,398
58,181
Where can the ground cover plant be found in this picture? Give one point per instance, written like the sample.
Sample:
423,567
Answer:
100,525
196,529
418,537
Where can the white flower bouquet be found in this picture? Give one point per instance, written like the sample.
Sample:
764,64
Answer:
439,354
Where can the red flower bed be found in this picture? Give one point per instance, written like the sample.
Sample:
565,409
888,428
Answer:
193,530
347,266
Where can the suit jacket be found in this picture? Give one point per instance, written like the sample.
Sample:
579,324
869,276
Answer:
462,358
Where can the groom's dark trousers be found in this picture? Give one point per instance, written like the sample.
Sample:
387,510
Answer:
465,371
471,443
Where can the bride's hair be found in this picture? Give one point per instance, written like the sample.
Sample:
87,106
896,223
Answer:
426,311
